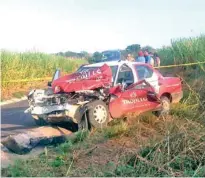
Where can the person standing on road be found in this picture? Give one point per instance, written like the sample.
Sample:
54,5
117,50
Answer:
140,57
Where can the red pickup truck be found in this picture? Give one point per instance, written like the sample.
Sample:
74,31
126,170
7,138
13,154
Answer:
98,93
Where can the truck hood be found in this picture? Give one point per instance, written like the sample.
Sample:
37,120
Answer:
85,80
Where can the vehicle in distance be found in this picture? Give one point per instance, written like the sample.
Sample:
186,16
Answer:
97,93
111,55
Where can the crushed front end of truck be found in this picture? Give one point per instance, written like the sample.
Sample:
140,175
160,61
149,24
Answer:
67,98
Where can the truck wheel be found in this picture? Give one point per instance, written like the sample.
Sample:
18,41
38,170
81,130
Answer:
40,120
165,107
98,114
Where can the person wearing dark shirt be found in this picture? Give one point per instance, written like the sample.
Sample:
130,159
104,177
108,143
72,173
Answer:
147,57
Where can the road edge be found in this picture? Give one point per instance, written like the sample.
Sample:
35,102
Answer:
13,100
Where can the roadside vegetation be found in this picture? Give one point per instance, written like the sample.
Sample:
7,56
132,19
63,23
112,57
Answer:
146,146
27,66
142,145
184,50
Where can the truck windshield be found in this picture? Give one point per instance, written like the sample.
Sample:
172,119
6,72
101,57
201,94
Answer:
113,68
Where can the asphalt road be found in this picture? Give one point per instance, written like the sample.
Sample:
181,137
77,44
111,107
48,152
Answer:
14,120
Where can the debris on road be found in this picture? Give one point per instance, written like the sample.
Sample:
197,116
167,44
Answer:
25,142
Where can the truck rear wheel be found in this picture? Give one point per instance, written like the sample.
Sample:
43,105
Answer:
40,120
165,107
98,114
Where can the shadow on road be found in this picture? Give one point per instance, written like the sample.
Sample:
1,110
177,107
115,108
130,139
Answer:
67,125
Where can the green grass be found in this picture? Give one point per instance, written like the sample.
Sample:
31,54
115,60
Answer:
184,50
29,65
116,130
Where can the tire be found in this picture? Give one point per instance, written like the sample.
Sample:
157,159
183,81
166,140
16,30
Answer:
165,107
98,114
40,120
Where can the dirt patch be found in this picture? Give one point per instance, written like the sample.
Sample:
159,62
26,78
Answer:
8,158
102,154
112,150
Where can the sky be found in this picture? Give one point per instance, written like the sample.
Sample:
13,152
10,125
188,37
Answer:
95,25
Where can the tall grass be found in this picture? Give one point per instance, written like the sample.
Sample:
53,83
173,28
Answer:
184,50
27,65
30,65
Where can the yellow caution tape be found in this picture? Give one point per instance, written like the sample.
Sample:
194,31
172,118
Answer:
48,78
27,80
180,65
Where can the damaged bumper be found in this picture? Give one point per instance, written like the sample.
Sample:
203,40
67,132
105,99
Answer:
44,103
58,112
38,110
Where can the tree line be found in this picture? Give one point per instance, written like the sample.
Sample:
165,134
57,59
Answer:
71,54
97,56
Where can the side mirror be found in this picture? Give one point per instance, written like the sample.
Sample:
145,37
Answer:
56,75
